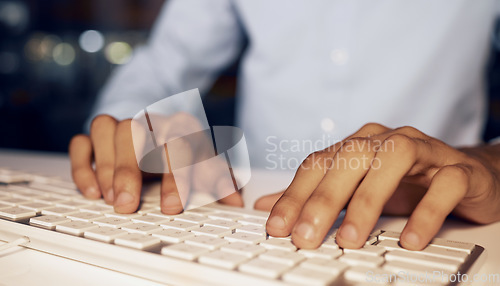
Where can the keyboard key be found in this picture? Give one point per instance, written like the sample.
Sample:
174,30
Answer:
48,200
104,233
305,276
324,265
75,227
322,252
423,259
264,268
138,241
112,222
371,240
330,242
429,250
211,243
173,235
122,216
85,216
245,249
52,188
200,211
180,225
4,206
281,237
260,230
367,275
159,214
355,259
154,220
15,201
184,251
59,211
253,221
48,221
222,259
142,228
73,204
245,237
367,250
281,244
225,216
191,218
212,231
452,244
13,178
98,209
389,235
146,210
36,206
227,224
412,269
16,213
282,256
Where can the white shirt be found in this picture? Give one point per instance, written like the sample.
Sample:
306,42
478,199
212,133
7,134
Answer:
315,71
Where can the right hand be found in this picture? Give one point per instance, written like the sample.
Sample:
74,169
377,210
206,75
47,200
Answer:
117,177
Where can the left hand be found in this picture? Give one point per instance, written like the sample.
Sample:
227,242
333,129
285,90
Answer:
394,171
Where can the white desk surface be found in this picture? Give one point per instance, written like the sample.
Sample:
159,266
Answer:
21,266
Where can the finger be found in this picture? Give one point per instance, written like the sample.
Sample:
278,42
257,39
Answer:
170,200
286,210
127,181
175,187
102,135
325,203
80,153
390,164
225,186
266,203
447,189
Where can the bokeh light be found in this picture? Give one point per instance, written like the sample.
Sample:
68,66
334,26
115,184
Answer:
91,41
118,53
64,54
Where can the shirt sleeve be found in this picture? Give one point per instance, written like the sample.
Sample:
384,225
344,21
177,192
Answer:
191,42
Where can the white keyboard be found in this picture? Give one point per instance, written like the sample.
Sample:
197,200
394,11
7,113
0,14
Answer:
209,245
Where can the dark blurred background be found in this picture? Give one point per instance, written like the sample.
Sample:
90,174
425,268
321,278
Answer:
55,55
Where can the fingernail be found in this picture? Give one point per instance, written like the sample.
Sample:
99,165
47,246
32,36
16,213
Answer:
304,230
276,222
124,198
348,232
411,239
172,201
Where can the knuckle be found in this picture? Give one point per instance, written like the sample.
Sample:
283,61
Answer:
359,145
457,173
372,128
315,158
400,143
409,131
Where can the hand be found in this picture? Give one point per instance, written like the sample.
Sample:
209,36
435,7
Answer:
394,171
117,176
